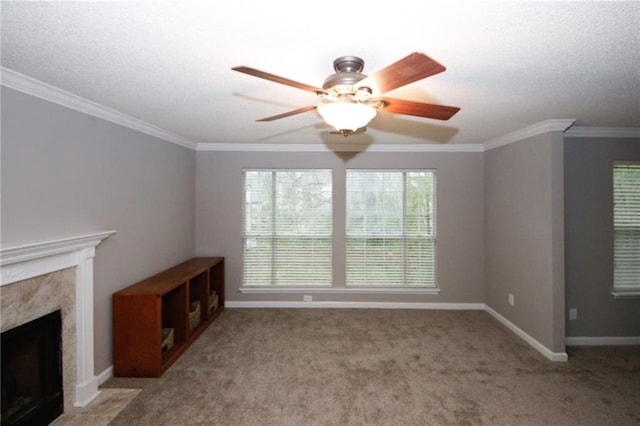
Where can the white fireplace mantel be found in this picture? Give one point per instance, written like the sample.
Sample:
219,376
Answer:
22,262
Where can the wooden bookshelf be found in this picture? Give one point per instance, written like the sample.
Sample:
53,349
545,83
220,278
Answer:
165,301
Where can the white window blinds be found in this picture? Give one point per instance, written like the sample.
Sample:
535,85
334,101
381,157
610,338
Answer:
390,229
626,221
287,228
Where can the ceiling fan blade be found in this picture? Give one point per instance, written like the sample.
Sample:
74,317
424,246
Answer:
288,114
272,77
412,68
418,109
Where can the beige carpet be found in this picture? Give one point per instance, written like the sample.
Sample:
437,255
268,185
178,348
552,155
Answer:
381,367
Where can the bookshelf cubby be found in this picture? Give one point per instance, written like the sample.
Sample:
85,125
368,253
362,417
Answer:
163,301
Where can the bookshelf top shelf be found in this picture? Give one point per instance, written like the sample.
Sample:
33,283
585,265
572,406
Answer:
171,278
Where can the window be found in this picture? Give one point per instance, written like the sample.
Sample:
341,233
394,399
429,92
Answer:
626,229
287,228
390,229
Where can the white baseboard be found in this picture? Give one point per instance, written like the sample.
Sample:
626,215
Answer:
355,305
86,392
548,353
553,356
602,341
105,375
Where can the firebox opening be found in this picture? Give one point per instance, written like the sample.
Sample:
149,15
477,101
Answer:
32,372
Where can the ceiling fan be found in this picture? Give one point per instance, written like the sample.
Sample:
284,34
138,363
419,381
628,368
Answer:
350,99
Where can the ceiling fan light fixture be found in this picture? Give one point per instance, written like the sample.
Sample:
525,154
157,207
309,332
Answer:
346,115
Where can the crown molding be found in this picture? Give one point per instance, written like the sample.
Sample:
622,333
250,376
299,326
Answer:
39,89
603,132
244,147
546,126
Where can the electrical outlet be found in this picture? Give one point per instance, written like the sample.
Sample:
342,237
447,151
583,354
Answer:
307,298
573,314
512,301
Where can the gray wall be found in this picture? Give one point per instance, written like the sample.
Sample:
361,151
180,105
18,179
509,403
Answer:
589,238
65,173
500,218
524,236
460,217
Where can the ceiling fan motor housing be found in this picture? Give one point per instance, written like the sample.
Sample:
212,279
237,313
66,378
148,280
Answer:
348,73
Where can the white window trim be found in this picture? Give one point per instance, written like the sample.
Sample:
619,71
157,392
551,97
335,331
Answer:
338,290
274,287
626,294
332,289
633,293
424,289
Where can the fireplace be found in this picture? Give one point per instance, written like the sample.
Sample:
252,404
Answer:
39,278
32,372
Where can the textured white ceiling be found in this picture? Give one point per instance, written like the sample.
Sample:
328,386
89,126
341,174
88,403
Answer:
509,64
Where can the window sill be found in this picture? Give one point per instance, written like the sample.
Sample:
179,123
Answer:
341,290
626,294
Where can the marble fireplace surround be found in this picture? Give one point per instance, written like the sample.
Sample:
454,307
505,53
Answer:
64,268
